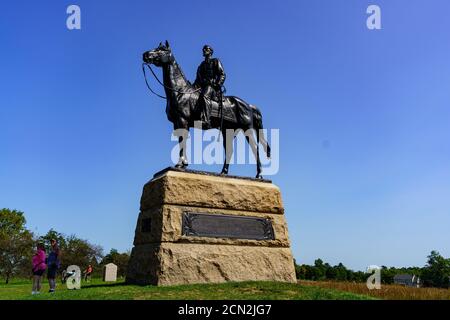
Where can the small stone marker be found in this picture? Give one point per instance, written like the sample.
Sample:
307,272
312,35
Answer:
110,273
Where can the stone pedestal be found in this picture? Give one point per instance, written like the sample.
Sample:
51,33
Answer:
202,228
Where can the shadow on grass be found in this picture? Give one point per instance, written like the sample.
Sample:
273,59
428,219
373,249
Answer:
106,285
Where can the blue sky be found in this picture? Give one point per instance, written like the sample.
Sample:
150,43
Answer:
363,116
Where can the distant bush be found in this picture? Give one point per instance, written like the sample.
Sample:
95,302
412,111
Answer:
324,271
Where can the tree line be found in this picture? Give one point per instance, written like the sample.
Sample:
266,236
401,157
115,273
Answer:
436,273
18,244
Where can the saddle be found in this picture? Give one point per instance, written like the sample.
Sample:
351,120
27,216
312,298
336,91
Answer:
229,109
234,110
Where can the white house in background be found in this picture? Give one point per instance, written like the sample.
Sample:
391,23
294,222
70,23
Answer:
407,280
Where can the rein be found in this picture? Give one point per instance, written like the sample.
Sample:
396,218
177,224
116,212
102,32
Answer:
146,82
162,84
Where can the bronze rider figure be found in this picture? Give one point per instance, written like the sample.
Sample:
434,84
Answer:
210,78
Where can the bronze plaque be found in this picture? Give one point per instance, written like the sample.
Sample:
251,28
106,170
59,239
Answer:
227,226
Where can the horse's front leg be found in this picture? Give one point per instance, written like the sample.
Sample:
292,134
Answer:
182,138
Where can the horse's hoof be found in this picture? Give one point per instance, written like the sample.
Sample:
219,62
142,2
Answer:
224,173
259,176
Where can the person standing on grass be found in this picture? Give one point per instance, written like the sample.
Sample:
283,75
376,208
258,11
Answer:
39,267
53,263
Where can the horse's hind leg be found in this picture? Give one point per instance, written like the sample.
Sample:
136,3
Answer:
258,161
255,148
228,147
264,142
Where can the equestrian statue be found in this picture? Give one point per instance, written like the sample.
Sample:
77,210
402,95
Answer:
203,102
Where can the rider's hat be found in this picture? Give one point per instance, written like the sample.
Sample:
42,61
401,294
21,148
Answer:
209,48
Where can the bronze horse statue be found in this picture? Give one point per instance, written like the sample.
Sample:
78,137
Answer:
183,109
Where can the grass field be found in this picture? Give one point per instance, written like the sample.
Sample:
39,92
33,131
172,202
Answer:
389,292
305,290
98,290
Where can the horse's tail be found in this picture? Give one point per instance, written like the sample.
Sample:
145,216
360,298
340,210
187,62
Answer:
258,126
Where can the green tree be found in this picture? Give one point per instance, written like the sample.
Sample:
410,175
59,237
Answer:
52,234
341,272
74,251
387,274
16,244
331,273
81,253
320,270
437,271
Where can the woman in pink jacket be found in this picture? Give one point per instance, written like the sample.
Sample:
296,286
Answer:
39,267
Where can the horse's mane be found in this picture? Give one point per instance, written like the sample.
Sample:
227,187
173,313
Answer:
178,73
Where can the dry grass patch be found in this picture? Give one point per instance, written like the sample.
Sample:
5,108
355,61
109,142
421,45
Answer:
389,292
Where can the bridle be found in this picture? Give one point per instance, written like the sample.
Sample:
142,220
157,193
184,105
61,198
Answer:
162,84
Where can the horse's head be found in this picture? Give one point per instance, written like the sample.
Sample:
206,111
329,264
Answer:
159,56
